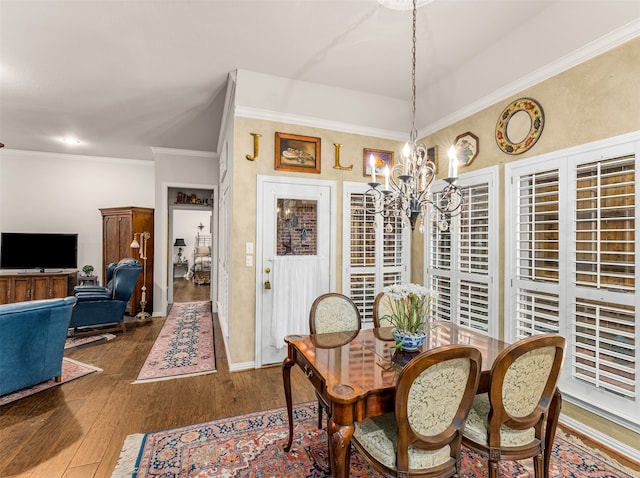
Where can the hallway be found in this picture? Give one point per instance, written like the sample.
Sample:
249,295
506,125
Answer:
186,291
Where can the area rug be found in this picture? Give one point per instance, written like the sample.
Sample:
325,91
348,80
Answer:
71,369
252,446
184,346
75,342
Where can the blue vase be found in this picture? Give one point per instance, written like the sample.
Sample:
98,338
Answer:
408,341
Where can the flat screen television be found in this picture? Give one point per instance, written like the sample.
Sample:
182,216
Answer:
27,250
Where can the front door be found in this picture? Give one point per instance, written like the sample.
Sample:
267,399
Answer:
295,258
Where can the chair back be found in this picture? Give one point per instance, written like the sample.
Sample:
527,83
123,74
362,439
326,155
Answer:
433,397
523,380
381,307
125,276
109,275
333,312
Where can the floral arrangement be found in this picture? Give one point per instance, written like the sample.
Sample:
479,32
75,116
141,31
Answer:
409,305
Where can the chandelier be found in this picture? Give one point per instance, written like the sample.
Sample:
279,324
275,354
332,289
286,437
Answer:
407,186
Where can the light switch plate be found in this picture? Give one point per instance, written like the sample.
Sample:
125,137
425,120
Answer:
249,261
249,247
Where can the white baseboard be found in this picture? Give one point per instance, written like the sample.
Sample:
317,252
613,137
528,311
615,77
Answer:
622,448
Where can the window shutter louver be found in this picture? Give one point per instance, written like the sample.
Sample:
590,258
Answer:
573,267
462,277
375,248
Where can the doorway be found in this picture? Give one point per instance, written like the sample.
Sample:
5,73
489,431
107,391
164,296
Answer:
295,258
191,246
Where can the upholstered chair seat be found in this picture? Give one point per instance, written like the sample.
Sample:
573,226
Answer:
477,427
432,400
508,423
379,436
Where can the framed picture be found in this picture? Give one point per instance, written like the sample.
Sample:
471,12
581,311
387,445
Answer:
381,159
432,155
297,153
467,147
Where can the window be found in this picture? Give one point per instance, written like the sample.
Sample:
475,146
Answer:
572,266
375,249
461,259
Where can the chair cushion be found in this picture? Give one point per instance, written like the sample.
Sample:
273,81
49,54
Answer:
379,436
435,396
334,314
476,428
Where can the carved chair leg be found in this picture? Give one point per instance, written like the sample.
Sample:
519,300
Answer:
493,469
538,466
319,415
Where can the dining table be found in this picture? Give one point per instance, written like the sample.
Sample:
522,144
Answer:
356,372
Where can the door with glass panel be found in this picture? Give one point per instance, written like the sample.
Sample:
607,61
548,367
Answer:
294,260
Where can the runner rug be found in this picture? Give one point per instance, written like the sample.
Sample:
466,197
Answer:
184,346
75,342
252,446
71,369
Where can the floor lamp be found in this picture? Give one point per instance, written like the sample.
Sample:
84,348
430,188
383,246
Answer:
142,245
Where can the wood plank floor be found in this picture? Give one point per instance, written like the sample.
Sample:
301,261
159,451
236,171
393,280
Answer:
77,429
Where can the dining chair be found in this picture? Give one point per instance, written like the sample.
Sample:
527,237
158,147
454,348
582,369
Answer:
332,312
381,307
508,423
433,397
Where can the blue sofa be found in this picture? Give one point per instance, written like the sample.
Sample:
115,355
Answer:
32,337
104,307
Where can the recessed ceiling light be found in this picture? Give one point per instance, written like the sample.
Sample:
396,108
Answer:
70,140
402,4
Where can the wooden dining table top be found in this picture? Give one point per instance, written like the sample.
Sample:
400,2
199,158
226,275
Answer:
356,363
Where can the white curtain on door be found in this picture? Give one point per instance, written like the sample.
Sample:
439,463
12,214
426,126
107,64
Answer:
296,282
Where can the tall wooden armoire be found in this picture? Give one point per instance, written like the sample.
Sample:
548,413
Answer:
119,224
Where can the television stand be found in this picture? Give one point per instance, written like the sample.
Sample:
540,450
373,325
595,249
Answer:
25,286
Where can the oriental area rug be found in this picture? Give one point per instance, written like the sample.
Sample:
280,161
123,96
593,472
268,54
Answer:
184,346
71,370
75,342
252,446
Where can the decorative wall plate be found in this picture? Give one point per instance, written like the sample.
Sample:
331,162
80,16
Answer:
532,108
467,146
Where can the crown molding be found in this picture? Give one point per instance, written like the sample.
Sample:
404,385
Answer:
612,40
78,157
268,115
184,152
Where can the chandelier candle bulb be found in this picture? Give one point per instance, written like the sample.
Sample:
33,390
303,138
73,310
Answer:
372,163
453,162
407,186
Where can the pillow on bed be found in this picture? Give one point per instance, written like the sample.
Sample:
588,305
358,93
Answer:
203,250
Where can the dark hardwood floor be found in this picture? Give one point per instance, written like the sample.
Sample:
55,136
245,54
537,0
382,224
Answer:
186,291
78,429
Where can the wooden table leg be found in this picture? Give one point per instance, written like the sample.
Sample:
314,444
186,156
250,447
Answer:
286,380
339,437
550,433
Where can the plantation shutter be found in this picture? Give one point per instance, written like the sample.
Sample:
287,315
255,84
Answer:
461,260
573,266
604,351
537,253
375,249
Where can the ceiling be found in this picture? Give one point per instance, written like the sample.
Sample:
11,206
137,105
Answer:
125,76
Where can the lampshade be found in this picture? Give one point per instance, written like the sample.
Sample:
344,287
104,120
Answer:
179,243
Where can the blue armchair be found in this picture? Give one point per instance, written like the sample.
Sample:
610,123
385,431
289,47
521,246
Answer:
32,336
104,307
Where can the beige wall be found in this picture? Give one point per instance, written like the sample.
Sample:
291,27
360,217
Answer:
242,315
593,101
